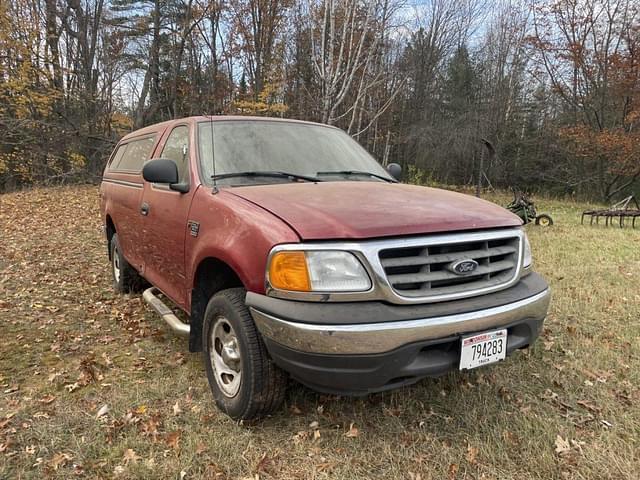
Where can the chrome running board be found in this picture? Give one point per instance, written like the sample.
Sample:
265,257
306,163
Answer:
177,325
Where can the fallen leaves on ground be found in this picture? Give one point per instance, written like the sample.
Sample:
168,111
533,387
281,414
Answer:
91,374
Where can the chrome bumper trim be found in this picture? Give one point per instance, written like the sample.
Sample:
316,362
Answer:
372,338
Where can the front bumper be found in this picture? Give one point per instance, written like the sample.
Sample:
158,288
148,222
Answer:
362,347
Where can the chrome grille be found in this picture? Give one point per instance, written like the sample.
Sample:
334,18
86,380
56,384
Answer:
425,270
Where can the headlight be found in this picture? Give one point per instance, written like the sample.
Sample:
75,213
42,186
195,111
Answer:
317,271
528,258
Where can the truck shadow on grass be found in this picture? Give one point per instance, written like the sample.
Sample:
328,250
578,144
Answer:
456,404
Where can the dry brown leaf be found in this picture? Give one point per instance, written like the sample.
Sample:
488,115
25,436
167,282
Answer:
325,467
589,406
107,360
509,437
103,411
472,453
150,427
72,387
353,431
201,448
47,399
60,459
562,445
300,436
173,439
130,456
453,471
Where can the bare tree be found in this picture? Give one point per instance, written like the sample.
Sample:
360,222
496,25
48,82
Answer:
346,36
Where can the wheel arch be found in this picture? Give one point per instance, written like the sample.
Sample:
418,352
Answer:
211,275
110,230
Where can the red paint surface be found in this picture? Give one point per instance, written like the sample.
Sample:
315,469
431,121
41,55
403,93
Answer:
333,210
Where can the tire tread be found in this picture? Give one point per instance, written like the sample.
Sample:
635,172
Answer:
268,382
130,279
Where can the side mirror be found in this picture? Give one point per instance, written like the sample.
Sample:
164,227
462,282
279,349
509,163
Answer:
394,170
160,170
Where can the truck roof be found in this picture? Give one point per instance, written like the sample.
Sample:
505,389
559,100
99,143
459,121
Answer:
216,118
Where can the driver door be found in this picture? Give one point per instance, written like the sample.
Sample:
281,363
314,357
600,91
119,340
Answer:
165,220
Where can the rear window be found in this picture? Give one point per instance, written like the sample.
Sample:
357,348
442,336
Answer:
131,156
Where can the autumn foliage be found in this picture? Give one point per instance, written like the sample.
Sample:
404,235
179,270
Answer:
590,52
553,85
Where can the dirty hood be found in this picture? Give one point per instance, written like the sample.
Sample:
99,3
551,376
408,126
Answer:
356,210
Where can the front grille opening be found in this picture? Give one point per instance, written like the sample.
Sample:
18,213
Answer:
425,271
402,252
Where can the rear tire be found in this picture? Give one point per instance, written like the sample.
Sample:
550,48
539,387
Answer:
245,382
125,278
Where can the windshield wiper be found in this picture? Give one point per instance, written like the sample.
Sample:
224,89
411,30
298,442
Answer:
274,174
357,173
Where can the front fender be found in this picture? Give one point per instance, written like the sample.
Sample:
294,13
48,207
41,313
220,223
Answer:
235,231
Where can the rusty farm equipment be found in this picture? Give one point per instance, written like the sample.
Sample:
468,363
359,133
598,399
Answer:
621,211
526,210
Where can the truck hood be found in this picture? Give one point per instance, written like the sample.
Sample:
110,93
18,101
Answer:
356,210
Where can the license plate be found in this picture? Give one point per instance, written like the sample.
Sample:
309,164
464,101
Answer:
483,349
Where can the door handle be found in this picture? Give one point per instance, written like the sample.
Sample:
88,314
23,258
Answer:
144,209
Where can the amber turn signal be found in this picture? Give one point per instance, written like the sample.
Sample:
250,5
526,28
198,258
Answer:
288,271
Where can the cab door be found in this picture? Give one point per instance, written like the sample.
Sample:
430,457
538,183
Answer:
123,187
165,213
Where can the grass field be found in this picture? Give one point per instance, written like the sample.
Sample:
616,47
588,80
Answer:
94,386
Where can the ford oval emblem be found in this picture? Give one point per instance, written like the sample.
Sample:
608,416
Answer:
463,267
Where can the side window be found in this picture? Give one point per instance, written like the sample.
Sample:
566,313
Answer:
117,156
137,152
176,148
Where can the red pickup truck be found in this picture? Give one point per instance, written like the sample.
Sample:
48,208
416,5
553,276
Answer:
292,251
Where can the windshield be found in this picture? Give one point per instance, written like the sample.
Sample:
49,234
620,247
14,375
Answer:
274,146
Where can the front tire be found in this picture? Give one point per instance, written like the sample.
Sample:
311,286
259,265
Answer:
245,382
125,278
